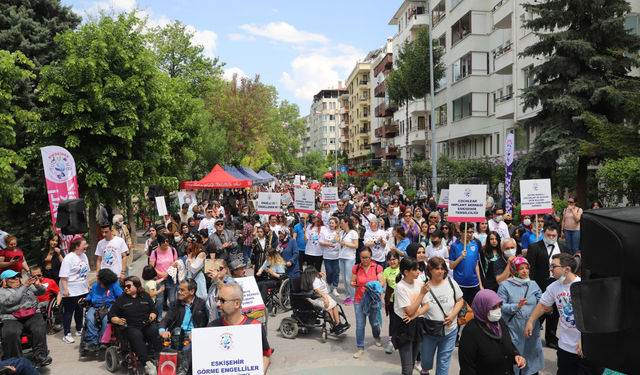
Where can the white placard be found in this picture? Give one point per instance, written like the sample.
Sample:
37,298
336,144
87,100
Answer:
330,195
162,206
467,202
287,198
296,180
303,178
535,197
227,350
444,198
251,300
305,200
188,197
269,203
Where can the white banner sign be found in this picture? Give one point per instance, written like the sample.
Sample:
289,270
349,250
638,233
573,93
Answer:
305,200
444,198
227,350
269,203
296,180
251,300
162,206
467,202
535,197
303,178
287,198
188,197
330,195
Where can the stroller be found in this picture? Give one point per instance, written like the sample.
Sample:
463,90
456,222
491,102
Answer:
305,315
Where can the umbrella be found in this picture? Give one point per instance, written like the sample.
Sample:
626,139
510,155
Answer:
328,175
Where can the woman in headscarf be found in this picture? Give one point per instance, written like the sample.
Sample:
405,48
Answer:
520,296
193,228
288,250
485,344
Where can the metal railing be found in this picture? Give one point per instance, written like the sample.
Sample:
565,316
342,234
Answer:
502,50
504,98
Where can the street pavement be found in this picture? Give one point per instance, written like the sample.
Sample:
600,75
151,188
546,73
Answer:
306,354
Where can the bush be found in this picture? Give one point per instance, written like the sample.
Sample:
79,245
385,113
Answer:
378,182
410,193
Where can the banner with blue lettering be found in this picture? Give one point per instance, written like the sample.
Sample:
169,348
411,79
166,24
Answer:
227,350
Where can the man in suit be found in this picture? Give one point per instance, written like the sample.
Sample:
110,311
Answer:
539,257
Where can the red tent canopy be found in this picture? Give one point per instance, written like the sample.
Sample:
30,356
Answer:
328,175
217,179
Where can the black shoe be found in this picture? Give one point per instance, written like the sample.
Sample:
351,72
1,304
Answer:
42,361
552,345
457,341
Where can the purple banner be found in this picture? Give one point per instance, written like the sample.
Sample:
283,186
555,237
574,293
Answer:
508,151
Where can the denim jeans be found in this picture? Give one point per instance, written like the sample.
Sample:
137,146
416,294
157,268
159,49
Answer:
573,240
22,365
169,292
361,322
246,253
445,347
346,265
92,336
71,310
332,266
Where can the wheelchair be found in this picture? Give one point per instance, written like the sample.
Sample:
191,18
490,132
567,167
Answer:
121,353
279,296
305,315
52,313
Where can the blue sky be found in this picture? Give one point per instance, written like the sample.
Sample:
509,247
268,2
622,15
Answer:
300,47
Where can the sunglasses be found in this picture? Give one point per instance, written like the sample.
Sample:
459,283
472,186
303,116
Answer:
218,224
127,286
570,202
225,300
36,275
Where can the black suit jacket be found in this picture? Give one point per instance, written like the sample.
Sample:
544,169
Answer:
539,261
175,315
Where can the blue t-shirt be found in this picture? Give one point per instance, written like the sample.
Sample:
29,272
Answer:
402,245
299,231
465,273
529,238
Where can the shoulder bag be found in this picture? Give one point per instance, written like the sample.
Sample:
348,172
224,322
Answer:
435,327
465,314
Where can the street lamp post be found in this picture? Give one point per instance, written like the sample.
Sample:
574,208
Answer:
434,154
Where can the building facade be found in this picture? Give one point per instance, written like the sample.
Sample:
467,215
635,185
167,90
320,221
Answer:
323,121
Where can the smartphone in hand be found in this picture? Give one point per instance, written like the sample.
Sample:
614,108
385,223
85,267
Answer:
16,257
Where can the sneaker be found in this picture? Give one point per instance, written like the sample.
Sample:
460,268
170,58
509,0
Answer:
335,293
68,339
389,348
150,368
348,302
418,367
358,353
79,333
379,342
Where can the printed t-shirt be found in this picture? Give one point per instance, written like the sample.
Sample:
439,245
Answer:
390,275
266,349
345,251
445,296
406,294
377,249
501,228
313,241
111,253
465,272
362,277
209,224
51,286
329,252
76,269
560,294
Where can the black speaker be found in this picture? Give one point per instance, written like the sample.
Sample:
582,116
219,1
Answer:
604,303
154,191
72,217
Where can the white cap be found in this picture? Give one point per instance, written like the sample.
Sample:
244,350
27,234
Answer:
397,183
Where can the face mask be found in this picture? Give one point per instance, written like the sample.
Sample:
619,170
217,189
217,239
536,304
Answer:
509,253
550,241
118,224
526,222
508,222
499,219
327,210
177,238
562,278
495,315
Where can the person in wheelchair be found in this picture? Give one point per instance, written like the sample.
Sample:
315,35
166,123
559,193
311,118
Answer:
52,290
136,312
103,294
311,281
188,313
274,266
19,316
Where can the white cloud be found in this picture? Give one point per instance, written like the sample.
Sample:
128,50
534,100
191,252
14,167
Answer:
284,32
236,37
274,10
118,5
228,73
206,38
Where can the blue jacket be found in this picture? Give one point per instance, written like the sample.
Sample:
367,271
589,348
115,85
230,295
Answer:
100,295
291,254
371,299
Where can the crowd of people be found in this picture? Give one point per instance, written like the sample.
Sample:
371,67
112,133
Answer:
373,251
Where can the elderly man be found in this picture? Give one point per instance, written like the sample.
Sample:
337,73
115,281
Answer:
423,192
223,241
501,266
229,304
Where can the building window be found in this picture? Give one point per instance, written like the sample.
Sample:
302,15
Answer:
462,107
420,123
490,145
470,63
441,116
332,117
324,106
332,129
528,77
632,24
461,28
497,143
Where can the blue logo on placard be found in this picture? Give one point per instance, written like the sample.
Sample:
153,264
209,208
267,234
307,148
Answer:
535,186
226,341
467,192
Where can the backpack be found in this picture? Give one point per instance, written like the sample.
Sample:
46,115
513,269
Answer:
155,251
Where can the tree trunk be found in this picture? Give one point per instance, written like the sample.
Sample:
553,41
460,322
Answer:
132,222
581,181
93,239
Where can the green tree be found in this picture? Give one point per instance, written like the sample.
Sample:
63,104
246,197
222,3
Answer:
113,110
179,58
572,79
620,178
285,133
313,166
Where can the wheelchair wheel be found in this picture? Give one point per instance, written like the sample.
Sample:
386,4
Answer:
324,335
111,358
273,310
285,295
54,316
289,329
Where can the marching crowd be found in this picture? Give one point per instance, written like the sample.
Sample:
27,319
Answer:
499,280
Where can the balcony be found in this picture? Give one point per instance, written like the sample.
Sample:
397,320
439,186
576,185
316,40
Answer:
385,110
505,107
502,15
385,65
379,91
387,131
344,110
503,59
417,20
387,153
344,138
366,146
364,130
364,100
363,83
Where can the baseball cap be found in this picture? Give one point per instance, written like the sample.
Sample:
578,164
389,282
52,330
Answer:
236,264
219,220
397,183
8,274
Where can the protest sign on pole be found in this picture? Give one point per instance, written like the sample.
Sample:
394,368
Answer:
535,197
508,159
227,350
162,206
269,203
296,180
444,198
330,195
251,298
62,183
305,200
467,202
287,199
188,197
303,178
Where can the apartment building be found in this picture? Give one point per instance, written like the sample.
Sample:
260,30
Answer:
322,121
359,116
305,146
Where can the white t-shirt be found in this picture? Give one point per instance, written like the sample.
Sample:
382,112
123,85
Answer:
313,241
332,252
377,249
345,251
319,283
275,229
366,220
501,228
76,269
405,294
442,252
560,294
208,224
111,253
325,217
445,296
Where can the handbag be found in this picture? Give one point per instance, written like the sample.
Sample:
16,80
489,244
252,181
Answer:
435,327
24,313
465,314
